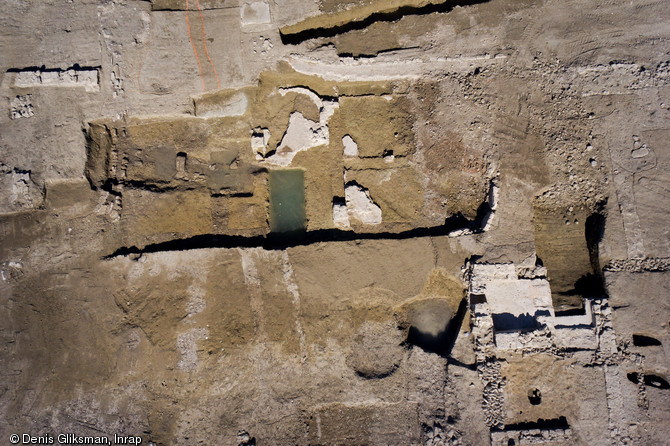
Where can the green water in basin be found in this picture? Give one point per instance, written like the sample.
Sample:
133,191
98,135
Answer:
287,200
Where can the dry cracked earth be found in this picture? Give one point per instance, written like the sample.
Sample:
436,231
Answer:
335,222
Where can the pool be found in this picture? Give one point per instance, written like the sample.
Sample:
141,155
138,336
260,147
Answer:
287,200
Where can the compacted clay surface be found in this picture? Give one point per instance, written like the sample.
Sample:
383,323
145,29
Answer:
335,222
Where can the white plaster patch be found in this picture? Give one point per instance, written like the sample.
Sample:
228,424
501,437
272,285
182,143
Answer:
197,302
340,216
302,133
292,288
494,194
519,297
249,268
255,13
187,344
259,142
360,206
350,147
387,177
392,65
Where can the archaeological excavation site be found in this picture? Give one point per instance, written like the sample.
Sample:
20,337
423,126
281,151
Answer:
335,222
